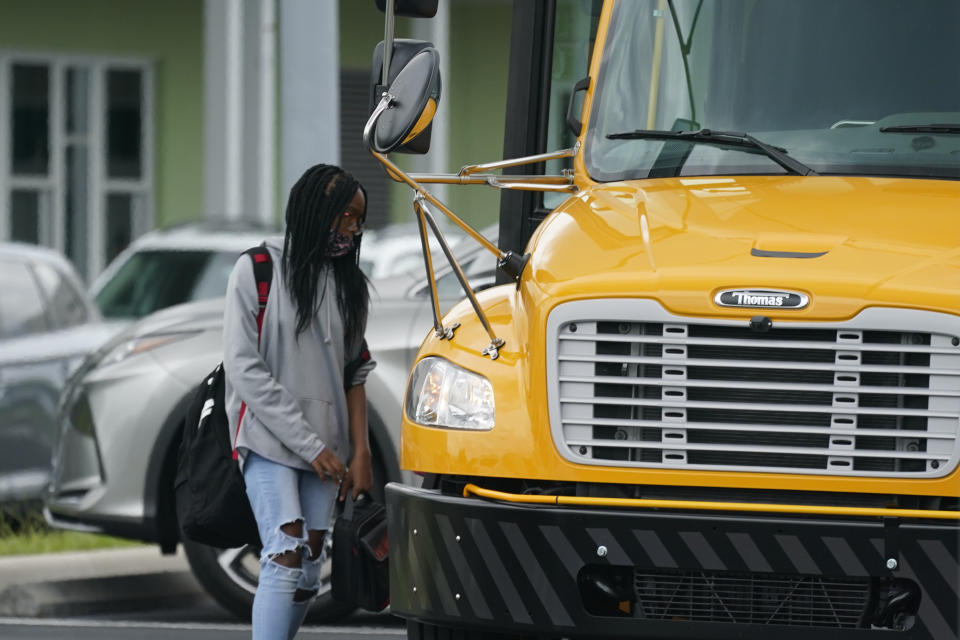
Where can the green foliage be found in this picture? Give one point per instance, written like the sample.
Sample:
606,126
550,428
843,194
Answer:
24,531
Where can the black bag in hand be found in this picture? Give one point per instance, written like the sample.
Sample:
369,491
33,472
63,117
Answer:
360,571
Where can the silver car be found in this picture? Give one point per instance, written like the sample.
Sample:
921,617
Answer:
166,267
47,326
120,423
192,262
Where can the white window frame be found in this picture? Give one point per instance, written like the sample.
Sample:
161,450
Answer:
99,186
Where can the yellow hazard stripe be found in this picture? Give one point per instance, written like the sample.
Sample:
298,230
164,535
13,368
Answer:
641,503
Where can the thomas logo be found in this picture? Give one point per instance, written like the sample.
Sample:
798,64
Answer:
761,299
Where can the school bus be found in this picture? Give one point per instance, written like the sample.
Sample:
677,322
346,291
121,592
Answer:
717,392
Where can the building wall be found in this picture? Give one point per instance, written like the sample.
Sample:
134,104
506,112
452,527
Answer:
170,33
477,98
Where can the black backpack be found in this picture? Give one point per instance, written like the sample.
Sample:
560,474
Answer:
211,496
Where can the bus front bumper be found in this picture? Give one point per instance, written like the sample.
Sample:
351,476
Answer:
466,562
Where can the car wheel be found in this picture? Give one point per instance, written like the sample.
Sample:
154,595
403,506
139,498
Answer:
230,575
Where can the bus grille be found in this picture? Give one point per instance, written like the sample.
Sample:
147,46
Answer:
842,401
697,596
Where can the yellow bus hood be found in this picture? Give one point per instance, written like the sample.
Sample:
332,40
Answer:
847,243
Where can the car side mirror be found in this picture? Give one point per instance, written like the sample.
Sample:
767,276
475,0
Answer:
408,105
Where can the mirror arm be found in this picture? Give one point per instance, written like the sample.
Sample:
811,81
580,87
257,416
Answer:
438,330
483,178
509,262
515,162
493,350
497,182
398,173
388,25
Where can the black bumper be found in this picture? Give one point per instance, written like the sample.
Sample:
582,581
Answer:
467,562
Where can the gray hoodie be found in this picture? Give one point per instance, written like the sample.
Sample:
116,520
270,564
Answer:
293,386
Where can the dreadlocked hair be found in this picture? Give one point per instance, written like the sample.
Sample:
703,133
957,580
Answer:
317,202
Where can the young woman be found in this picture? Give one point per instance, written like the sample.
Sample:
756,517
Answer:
302,420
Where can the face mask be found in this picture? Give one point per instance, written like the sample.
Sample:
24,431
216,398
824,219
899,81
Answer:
339,244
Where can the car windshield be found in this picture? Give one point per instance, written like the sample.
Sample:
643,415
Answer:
859,87
154,279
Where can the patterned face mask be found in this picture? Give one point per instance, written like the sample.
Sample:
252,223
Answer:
339,244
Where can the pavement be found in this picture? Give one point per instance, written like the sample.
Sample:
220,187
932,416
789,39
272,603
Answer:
91,582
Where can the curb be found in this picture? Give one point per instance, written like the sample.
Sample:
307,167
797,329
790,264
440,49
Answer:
99,595
90,582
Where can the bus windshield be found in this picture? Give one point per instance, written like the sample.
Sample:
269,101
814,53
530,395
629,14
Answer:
859,87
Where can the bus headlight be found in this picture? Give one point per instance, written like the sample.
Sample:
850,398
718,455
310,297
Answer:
441,394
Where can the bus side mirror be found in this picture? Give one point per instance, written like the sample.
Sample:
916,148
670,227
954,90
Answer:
408,105
403,51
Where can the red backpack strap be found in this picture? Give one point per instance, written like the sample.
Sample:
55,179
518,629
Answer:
263,275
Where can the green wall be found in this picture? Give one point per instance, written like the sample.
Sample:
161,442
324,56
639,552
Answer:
476,97
361,28
168,33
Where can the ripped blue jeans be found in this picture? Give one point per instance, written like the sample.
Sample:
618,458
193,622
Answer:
281,495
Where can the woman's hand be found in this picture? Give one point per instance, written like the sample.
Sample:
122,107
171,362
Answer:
359,475
328,465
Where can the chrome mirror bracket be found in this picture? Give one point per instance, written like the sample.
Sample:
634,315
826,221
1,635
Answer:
446,333
386,101
513,264
494,349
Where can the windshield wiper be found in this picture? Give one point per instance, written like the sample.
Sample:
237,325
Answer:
730,138
923,128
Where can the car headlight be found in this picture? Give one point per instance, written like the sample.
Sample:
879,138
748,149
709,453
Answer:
441,394
141,344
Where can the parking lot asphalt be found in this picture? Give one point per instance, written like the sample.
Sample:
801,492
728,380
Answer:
90,582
